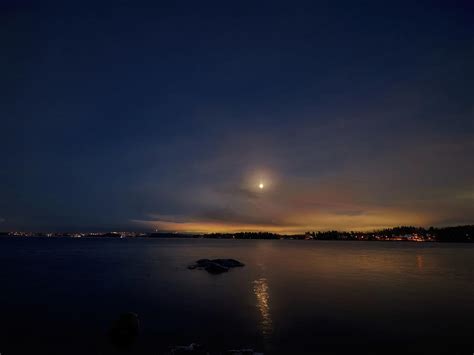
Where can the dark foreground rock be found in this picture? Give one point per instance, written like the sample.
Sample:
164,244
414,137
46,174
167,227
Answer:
124,330
198,349
243,352
189,349
215,266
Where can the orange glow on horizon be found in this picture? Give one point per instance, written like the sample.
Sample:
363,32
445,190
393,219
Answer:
295,224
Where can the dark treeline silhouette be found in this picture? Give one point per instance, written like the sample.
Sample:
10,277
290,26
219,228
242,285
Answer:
455,234
402,233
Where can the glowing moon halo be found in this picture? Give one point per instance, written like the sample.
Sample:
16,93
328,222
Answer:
261,186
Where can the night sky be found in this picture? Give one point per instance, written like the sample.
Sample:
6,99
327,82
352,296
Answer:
168,115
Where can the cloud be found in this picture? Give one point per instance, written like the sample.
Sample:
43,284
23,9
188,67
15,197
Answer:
377,163
413,184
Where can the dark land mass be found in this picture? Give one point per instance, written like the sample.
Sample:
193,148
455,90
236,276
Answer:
459,234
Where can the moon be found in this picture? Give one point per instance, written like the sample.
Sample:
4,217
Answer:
261,186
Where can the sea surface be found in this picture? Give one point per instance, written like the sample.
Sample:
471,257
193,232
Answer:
60,296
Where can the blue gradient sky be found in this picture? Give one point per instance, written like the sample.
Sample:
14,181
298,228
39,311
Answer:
141,115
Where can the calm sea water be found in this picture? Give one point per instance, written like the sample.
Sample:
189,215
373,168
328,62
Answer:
59,296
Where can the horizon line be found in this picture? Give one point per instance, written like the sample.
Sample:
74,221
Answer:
233,232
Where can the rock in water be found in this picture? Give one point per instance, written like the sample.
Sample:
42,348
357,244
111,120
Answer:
125,329
203,262
215,266
228,262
